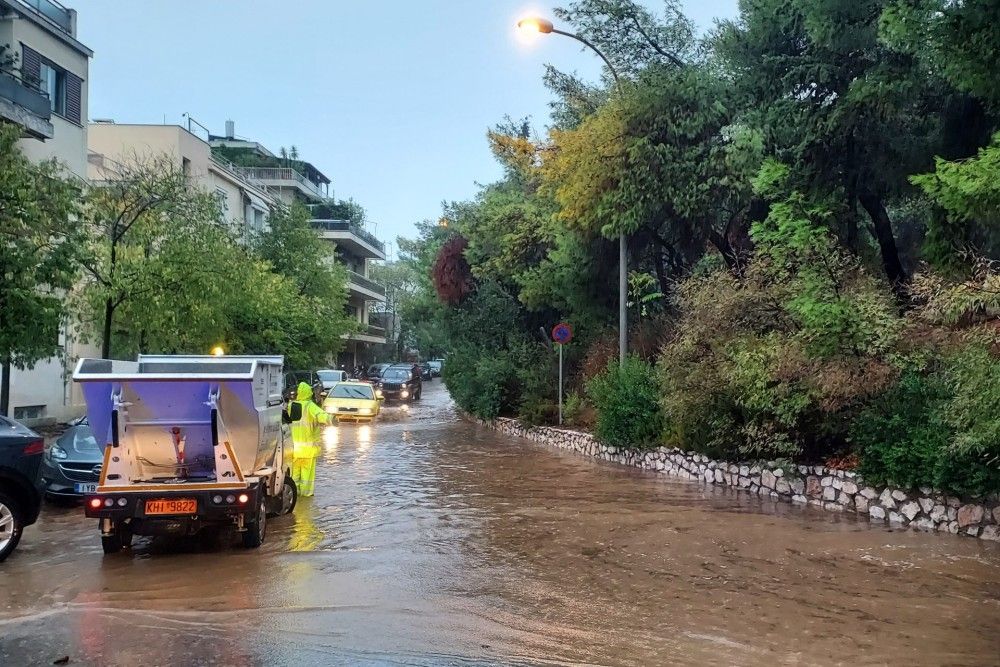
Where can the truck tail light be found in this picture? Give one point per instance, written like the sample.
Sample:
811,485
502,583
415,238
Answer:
95,503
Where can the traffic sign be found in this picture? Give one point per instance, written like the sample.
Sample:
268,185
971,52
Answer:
562,333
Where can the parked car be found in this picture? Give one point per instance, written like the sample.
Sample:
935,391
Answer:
437,365
21,452
401,382
352,401
71,466
426,373
375,372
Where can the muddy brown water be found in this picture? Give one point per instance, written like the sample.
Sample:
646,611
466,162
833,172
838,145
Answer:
435,541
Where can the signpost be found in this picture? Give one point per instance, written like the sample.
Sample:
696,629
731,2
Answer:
562,333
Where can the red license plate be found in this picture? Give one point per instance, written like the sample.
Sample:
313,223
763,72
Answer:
172,506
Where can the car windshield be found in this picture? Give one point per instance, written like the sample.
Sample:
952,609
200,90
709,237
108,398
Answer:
352,391
328,376
396,374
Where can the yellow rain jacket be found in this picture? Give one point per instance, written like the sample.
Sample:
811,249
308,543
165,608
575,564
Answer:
306,432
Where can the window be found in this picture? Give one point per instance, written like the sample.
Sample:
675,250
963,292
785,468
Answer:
29,412
222,200
53,83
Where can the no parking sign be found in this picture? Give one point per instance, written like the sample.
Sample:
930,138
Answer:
562,333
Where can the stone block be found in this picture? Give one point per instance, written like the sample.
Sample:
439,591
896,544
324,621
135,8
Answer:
783,487
886,500
718,476
744,471
829,493
849,487
953,527
876,513
767,479
819,470
833,507
991,533
896,517
813,487
969,515
861,504
845,499
869,493
972,531
779,472
923,523
799,499
939,513
910,510
798,486
926,505
837,483
899,496
826,481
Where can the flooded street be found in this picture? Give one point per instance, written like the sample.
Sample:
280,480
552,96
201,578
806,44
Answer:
435,541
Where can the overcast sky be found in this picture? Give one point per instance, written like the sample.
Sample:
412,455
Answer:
389,98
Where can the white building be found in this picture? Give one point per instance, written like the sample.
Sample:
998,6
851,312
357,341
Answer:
45,93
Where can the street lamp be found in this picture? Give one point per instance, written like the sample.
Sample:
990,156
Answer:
545,27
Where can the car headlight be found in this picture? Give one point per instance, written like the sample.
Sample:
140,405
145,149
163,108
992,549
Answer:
404,393
58,453
378,392
365,411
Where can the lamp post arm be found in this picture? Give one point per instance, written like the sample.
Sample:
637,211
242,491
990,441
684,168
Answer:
589,45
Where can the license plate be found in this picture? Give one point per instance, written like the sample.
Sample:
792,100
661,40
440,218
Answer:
172,506
85,488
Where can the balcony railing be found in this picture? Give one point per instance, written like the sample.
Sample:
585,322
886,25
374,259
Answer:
29,97
53,11
281,174
350,227
367,283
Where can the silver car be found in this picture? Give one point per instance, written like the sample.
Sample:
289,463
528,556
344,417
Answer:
71,465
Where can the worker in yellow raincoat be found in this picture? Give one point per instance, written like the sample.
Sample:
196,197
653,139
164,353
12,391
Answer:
306,438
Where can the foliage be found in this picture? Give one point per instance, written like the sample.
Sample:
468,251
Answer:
39,254
452,275
626,398
906,439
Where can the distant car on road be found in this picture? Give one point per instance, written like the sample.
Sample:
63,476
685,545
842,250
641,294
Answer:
437,365
352,401
426,372
330,377
21,452
401,382
71,466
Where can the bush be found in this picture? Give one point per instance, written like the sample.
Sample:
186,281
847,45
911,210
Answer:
574,405
627,402
907,437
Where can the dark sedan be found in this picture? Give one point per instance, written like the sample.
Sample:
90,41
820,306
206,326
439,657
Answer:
71,466
20,455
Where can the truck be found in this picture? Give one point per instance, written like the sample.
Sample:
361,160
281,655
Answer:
190,442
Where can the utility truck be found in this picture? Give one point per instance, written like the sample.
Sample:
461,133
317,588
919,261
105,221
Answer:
190,442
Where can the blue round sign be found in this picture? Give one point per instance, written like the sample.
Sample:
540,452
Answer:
562,333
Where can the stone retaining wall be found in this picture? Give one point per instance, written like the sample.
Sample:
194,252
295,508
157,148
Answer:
833,490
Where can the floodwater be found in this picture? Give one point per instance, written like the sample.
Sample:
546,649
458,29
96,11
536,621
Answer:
435,541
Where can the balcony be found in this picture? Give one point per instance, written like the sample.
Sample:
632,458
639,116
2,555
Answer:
26,106
283,177
365,287
368,334
53,11
351,238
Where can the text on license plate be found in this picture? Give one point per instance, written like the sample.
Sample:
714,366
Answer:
85,488
172,506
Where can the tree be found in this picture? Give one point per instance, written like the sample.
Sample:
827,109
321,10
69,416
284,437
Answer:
39,254
144,225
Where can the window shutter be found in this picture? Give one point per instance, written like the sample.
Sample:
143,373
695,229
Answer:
31,64
73,94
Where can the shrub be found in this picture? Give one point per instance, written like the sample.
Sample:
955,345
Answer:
574,404
626,399
907,437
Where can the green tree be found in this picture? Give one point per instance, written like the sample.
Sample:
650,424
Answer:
144,224
39,254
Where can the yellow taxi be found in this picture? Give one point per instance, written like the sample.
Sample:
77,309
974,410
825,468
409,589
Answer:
352,401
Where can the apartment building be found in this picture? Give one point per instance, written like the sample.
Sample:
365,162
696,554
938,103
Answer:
296,180
243,201
43,89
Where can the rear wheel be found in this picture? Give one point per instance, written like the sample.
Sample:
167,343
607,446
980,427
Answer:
289,496
256,530
111,544
11,525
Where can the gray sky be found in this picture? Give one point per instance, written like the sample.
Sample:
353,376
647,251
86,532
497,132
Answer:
389,98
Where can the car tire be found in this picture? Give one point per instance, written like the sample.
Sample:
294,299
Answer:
256,530
11,525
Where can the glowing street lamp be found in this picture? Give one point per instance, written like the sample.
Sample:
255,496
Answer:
545,27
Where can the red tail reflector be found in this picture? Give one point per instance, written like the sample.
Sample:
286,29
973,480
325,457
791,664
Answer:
35,447
244,498
95,502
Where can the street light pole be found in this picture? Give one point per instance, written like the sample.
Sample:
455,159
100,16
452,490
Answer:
545,27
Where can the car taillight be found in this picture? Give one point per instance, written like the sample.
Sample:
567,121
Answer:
34,448
95,502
